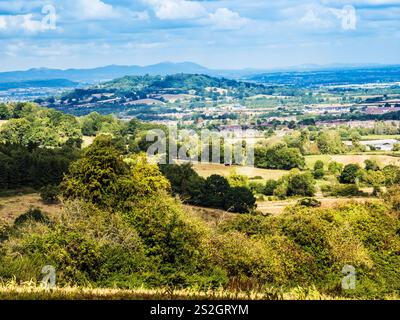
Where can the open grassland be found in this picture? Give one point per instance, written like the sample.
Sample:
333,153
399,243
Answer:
278,206
87,141
3,122
208,169
380,137
382,160
31,291
13,206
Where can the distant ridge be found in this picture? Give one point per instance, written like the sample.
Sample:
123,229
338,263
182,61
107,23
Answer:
106,73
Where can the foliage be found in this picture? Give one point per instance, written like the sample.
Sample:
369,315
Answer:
350,173
33,167
278,157
309,202
49,194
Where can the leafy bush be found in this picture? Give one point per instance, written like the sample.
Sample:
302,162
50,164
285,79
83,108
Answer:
350,173
351,190
309,202
49,194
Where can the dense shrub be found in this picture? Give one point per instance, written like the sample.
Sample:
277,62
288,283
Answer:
350,190
49,194
279,157
350,173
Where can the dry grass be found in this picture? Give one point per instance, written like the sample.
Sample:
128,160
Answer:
31,291
2,122
13,206
87,141
208,169
277,207
213,217
382,160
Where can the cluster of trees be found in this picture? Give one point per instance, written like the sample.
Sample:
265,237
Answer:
29,124
21,166
279,156
316,142
294,184
213,192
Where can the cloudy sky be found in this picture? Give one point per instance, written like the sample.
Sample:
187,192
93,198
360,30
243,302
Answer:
215,33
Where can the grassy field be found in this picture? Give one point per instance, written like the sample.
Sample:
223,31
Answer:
383,160
380,137
87,141
13,206
278,206
34,292
2,122
206,170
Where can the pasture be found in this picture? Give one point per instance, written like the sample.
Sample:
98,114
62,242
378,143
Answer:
382,160
207,169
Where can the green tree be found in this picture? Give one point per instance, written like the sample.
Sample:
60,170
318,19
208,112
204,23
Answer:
214,191
302,184
350,173
239,199
371,165
330,142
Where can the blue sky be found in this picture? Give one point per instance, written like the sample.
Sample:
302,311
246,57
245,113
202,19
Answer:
215,33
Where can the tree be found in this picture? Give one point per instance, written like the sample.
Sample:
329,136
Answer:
350,173
371,165
94,178
270,187
49,194
279,157
5,112
319,174
335,167
319,164
239,199
302,184
330,142
184,181
214,191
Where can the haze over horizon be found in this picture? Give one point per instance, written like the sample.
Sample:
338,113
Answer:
217,34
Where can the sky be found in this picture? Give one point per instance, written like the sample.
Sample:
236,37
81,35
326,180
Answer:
218,34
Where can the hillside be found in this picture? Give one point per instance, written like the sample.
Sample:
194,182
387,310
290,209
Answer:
133,91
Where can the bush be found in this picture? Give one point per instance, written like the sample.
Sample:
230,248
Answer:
319,164
351,190
319,174
32,215
309,202
240,200
270,187
301,184
49,194
350,173
335,168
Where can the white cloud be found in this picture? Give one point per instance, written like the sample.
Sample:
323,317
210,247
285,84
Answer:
3,23
177,9
225,19
95,9
22,23
313,19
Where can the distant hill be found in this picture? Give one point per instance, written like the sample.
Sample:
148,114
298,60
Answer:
333,76
54,83
135,92
177,82
303,75
102,73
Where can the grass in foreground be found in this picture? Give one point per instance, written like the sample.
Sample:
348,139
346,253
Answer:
30,291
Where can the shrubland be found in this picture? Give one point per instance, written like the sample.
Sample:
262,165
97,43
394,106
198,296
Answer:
120,228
